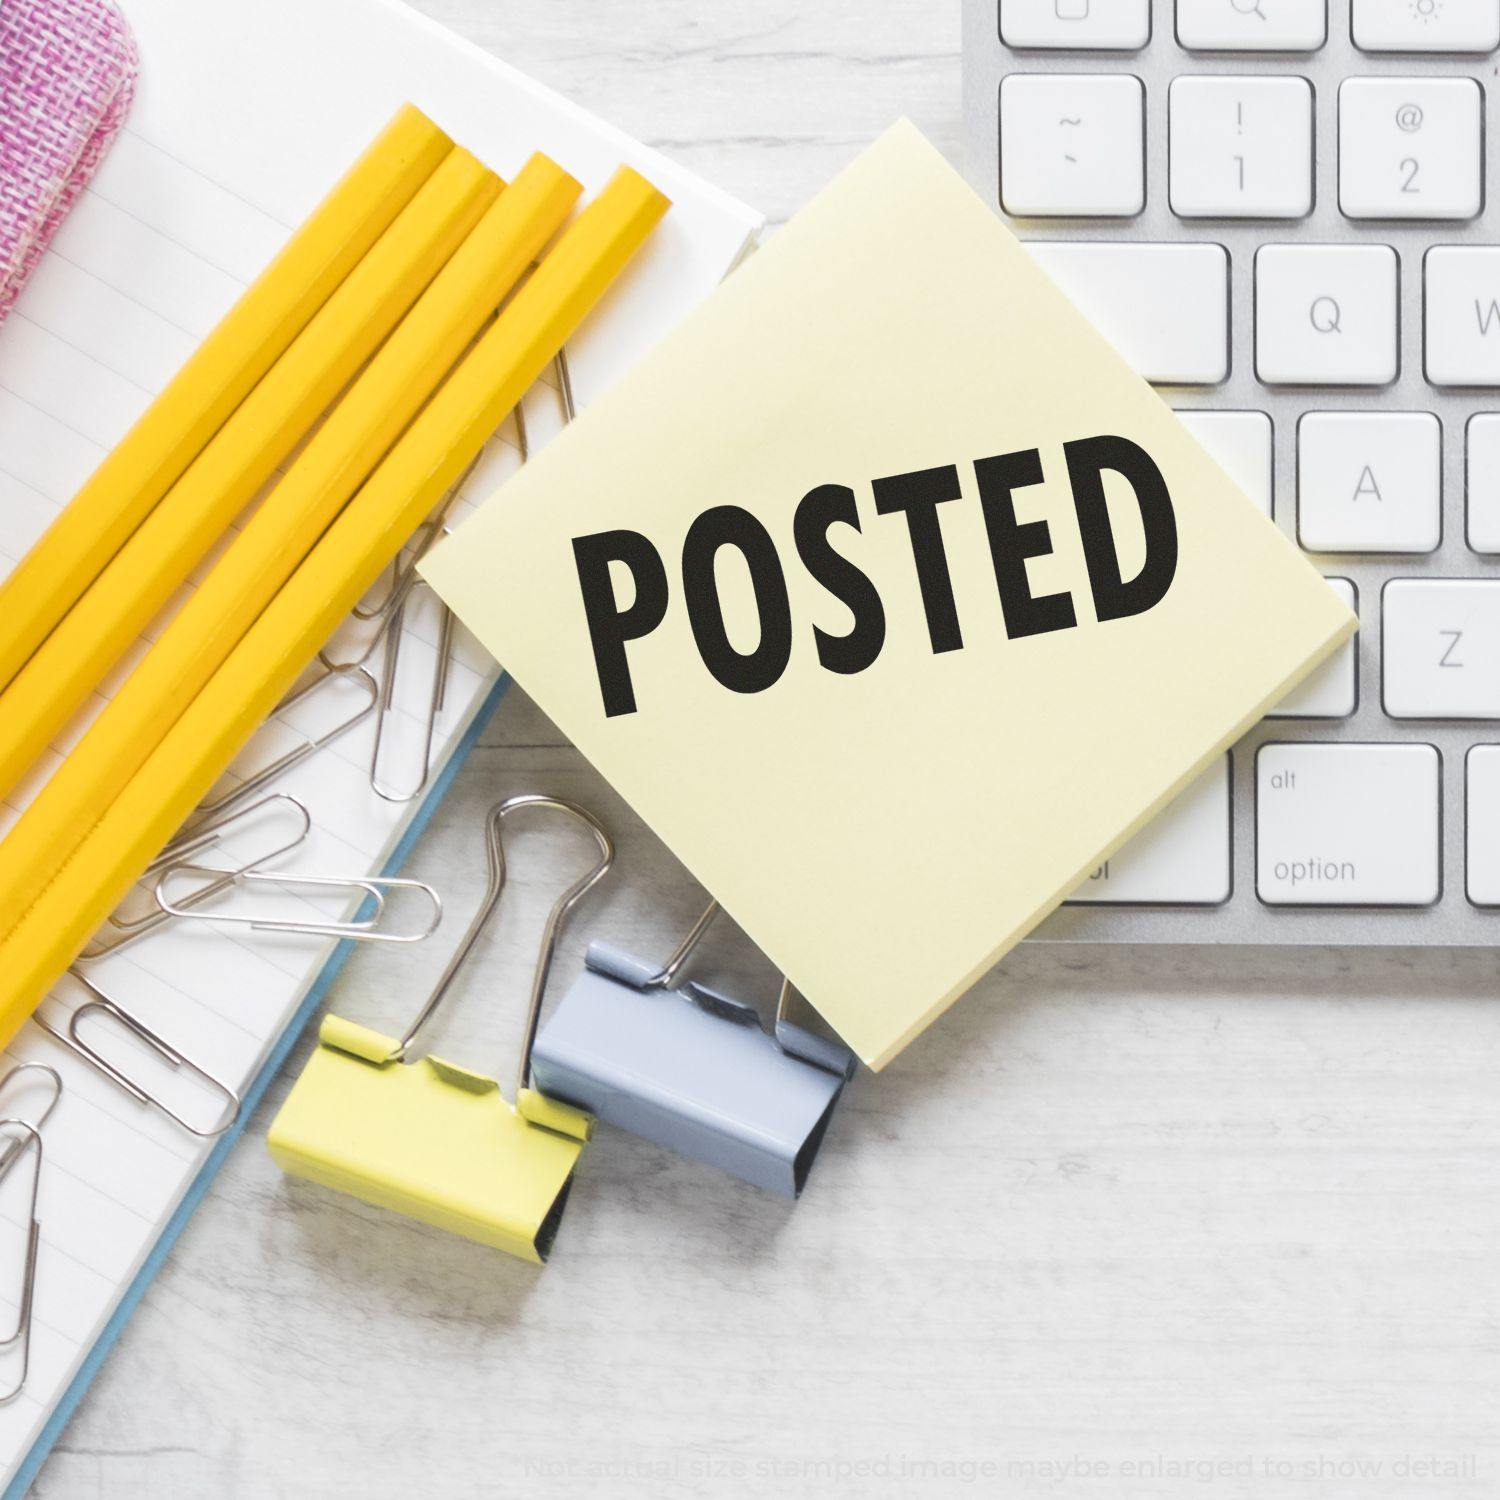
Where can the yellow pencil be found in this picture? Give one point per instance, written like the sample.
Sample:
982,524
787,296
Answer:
226,367
267,425
60,917
359,430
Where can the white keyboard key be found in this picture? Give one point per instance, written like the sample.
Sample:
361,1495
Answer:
1240,443
1182,857
1072,144
1252,25
1326,315
1242,148
1440,642
1164,307
1483,467
1482,824
1347,825
1332,692
1463,315
1427,25
1369,481
1101,25
1411,148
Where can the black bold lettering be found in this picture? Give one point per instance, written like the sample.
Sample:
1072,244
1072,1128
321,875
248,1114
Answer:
1114,599
733,526
819,510
1012,542
610,627
919,495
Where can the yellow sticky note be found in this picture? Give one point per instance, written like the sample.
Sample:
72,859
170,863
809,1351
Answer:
889,596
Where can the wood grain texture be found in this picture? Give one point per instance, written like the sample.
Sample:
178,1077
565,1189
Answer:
1121,1208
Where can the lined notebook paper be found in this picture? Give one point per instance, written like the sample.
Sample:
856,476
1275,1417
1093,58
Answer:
245,115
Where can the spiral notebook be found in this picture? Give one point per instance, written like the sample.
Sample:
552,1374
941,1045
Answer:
245,113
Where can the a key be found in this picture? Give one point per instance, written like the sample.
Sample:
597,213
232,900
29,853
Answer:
1331,692
1427,25
1463,315
1164,307
1347,825
1240,443
1326,314
1369,481
1072,144
1241,148
1102,25
1482,824
1181,857
1440,645
1483,470
1411,148
1251,25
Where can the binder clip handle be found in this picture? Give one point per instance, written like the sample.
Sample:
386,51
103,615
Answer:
792,1036
495,852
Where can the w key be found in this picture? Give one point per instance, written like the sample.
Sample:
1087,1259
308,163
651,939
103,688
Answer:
1441,648
1463,315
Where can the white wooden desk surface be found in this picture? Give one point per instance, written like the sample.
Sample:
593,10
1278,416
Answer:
1120,1210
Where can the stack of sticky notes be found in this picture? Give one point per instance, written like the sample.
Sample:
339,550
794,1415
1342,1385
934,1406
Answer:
889,596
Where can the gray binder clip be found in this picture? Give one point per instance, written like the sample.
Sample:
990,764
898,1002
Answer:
691,1068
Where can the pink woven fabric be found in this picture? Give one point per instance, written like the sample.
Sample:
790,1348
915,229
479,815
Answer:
67,75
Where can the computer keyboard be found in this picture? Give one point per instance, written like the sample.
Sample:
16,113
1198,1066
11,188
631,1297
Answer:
1278,212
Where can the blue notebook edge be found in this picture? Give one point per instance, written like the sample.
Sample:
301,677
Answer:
251,1098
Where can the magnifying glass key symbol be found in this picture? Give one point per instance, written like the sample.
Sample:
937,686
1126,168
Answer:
1247,8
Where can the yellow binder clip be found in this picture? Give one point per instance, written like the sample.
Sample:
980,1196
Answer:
433,1140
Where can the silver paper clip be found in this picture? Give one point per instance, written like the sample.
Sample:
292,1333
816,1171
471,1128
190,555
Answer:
391,614
311,744
565,393
11,1149
403,576
401,570
178,1061
125,929
436,697
26,1137
691,1068
364,927
390,620
565,385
